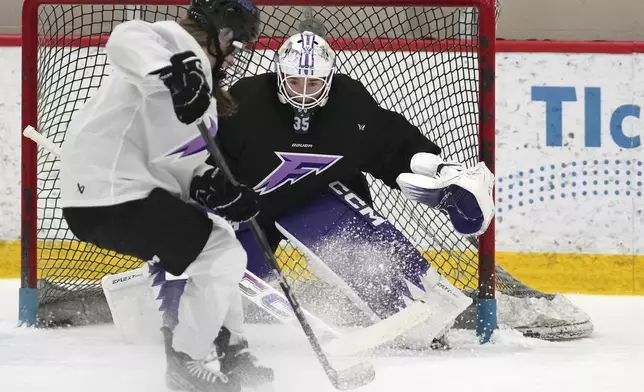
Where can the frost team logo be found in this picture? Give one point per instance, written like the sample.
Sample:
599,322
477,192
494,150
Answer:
196,145
293,168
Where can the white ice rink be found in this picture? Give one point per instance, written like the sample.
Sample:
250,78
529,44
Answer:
96,359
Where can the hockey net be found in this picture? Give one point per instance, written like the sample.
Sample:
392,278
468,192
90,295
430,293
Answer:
423,61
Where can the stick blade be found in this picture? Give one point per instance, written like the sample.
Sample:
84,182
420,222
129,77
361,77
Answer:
353,377
381,332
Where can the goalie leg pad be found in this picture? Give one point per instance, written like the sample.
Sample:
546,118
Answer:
195,305
366,251
178,238
132,301
444,298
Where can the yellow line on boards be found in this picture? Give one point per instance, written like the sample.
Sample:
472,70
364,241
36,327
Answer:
548,272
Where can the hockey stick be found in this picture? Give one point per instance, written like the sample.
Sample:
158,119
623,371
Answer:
352,377
41,140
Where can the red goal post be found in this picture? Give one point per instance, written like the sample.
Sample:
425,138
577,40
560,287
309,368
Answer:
446,47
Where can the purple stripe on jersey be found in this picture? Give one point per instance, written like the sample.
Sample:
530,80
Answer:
293,168
196,145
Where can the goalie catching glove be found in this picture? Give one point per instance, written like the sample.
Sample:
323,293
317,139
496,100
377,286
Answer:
465,195
236,203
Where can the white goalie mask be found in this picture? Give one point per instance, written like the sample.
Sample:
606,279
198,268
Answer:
305,65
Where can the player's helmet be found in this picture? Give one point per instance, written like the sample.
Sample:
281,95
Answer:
234,21
308,56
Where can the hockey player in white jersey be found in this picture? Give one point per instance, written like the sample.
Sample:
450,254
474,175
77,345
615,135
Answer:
133,161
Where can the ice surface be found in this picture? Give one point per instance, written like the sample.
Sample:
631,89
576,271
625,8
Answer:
95,358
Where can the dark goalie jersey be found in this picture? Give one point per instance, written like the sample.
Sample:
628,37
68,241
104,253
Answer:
289,160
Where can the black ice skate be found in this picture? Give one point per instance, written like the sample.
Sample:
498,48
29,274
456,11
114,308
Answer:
238,363
187,374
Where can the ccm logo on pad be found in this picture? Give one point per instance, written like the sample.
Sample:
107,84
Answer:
357,204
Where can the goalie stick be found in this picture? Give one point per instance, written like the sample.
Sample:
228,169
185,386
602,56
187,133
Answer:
355,376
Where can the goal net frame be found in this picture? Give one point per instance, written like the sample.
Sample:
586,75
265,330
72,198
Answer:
484,45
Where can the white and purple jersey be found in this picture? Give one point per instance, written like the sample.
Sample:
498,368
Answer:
126,140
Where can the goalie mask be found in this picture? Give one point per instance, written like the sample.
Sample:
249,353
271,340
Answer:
232,27
305,65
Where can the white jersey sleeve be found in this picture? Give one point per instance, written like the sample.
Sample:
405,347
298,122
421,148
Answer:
126,139
136,48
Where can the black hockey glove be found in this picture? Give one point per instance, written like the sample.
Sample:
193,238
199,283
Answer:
234,203
187,83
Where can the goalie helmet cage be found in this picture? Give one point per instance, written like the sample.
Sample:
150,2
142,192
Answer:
431,60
